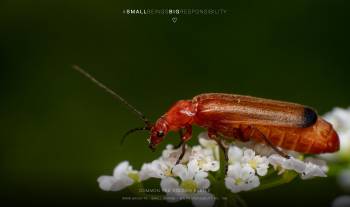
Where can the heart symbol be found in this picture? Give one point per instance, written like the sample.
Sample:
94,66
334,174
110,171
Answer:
174,19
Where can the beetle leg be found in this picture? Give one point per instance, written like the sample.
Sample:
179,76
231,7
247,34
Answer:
213,135
268,142
179,145
188,133
183,146
185,136
181,133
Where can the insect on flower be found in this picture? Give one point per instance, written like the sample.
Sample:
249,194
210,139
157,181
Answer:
286,125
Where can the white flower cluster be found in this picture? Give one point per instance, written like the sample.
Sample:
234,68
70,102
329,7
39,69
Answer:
190,179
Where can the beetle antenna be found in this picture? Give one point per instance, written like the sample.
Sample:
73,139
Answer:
114,94
133,130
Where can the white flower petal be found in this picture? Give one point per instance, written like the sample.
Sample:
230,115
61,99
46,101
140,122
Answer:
320,163
213,166
181,171
121,184
246,172
234,154
230,184
248,154
106,182
234,170
262,170
110,183
192,169
253,182
294,164
276,160
121,168
202,183
312,170
150,170
169,184
201,174
208,143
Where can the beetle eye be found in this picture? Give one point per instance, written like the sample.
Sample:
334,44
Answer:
160,133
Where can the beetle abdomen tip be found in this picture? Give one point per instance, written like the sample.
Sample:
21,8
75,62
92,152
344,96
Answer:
310,117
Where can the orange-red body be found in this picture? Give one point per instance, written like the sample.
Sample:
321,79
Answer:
287,125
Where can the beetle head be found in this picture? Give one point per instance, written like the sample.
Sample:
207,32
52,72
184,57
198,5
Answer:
158,132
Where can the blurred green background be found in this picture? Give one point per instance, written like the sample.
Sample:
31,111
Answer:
59,132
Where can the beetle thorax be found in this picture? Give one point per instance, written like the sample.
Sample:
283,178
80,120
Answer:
180,115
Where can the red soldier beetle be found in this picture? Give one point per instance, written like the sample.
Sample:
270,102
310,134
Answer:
281,124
